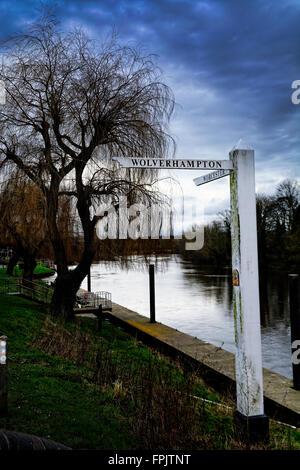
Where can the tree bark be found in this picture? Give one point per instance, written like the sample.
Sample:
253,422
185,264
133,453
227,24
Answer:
12,262
64,295
29,266
68,282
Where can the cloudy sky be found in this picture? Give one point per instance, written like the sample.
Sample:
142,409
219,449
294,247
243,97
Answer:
230,64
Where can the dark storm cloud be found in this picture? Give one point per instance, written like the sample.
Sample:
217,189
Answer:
243,55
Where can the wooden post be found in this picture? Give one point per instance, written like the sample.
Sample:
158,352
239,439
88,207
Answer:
252,424
152,293
3,376
89,284
295,327
99,315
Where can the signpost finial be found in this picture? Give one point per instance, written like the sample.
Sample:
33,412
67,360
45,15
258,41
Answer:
242,145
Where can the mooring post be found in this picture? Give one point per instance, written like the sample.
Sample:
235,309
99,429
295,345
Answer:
295,327
3,376
251,424
152,293
89,284
99,315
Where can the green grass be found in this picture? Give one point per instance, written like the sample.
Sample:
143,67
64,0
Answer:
42,269
47,395
17,272
134,401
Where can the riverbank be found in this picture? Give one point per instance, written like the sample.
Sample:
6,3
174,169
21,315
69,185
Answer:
198,301
106,390
214,364
40,271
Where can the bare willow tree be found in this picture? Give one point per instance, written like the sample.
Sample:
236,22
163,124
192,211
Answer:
22,224
71,106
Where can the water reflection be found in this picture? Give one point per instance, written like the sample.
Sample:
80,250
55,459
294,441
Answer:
198,301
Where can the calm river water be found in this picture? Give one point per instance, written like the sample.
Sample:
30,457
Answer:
198,301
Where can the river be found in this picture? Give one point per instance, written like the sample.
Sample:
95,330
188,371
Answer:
198,301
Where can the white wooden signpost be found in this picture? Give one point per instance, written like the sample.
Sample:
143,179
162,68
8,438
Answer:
251,422
250,417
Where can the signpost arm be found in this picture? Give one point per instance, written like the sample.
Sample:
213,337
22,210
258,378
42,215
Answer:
251,422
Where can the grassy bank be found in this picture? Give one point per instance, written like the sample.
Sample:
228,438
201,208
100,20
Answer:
104,390
39,271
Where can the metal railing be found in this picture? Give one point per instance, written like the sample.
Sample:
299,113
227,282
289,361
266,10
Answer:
40,292
4,253
94,299
33,290
9,286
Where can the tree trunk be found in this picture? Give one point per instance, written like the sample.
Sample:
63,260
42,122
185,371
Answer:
68,282
12,262
64,295
29,266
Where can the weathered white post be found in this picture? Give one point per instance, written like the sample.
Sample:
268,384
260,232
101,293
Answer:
3,376
251,422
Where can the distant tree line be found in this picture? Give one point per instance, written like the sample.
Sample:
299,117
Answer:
278,232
